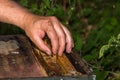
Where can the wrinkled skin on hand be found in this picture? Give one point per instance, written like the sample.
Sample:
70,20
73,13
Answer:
36,27
59,35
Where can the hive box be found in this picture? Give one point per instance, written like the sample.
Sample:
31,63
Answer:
19,59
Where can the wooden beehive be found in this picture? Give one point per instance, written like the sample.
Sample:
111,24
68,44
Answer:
19,59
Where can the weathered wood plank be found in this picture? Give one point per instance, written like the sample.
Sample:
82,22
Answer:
21,62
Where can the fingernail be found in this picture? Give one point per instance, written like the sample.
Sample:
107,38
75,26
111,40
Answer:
54,51
69,50
60,54
48,52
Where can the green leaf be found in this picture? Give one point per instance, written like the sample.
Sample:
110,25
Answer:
102,50
89,57
113,21
47,3
33,8
78,42
101,75
118,37
24,2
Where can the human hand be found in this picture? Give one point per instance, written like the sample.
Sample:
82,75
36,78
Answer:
37,27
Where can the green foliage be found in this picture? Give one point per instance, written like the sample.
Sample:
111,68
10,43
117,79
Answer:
102,50
7,29
114,42
101,75
78,42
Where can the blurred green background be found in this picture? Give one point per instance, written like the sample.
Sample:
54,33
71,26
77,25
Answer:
94,25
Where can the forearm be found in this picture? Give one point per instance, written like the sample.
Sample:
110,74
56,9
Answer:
11,12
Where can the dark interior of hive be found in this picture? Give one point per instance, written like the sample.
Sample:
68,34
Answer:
19,59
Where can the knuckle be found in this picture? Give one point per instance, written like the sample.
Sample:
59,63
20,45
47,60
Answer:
53,17
62,36
46,22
